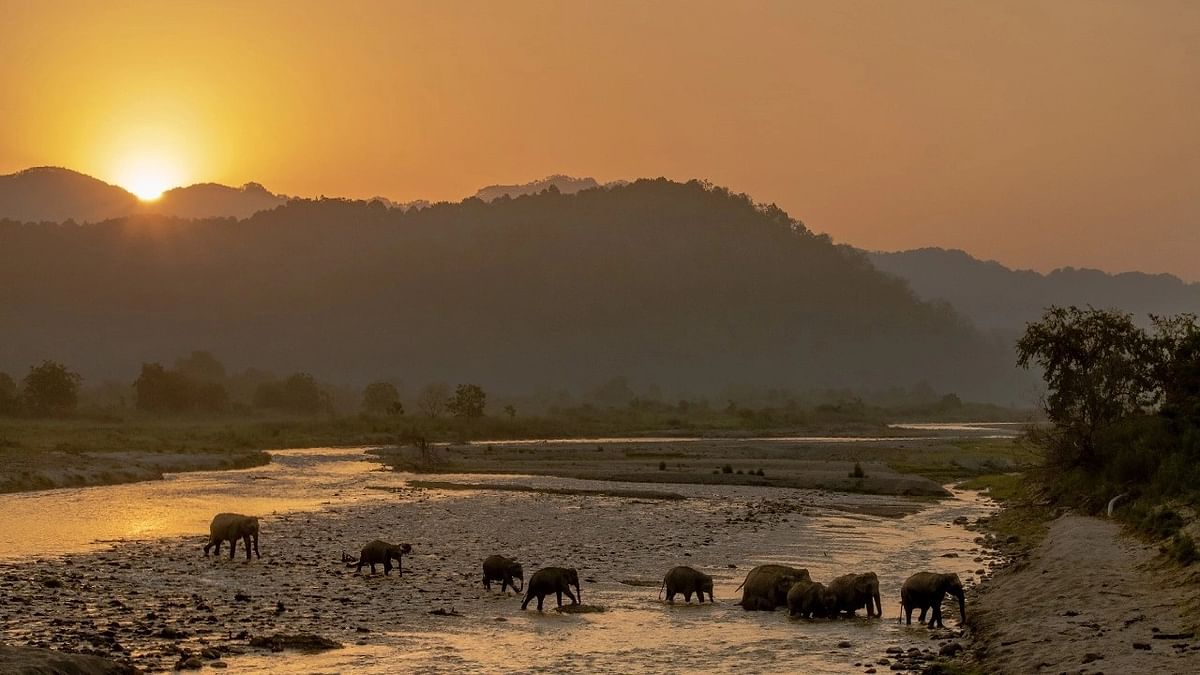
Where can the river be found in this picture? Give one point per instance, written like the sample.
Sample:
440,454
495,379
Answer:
129,559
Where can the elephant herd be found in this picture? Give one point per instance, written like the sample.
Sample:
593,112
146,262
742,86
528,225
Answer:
766,587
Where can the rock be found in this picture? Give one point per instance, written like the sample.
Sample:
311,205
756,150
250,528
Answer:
172,633
1091,656
1141,645
961,520
190,663
950,649
218,664
894,650
210,653
301,641
845,644
33,660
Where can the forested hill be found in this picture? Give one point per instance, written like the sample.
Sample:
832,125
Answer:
684,286
1001,301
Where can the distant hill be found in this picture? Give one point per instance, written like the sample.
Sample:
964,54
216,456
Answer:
565,184
52,194
683,286
1001,301
212,200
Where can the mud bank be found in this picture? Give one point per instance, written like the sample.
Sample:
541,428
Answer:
29,471
1087,600
31,660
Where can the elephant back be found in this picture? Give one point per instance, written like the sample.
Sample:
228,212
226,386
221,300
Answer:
226,525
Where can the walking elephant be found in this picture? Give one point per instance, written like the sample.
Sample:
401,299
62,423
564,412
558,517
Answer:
381,552
854,591
504,570
230,527
925,590
687,580
766,586
557,580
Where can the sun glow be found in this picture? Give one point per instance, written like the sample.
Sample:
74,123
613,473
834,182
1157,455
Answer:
148,176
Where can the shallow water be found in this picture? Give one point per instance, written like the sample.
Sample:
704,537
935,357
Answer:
333,502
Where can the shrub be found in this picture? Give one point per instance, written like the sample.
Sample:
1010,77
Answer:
1183,549
727,469
858,471
662,466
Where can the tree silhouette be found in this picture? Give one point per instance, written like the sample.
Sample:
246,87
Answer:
51,389
382,398
468,401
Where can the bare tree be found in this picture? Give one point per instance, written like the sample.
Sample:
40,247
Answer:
431,400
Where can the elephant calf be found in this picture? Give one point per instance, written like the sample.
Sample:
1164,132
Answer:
854,591
687,580
924,590
767,586
810,600
381,552
504,570
230,527
557,580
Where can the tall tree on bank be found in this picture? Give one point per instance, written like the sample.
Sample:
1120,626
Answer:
51,389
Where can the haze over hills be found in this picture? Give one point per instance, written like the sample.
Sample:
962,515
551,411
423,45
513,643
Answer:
212,200
1001,300
684,286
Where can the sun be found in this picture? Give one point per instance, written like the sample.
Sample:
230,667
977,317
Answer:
148,176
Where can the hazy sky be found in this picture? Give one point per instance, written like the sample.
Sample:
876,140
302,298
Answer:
1040,134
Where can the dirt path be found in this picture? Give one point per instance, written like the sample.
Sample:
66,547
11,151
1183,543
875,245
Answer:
1085,602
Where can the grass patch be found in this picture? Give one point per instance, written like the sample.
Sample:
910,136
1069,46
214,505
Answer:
999,486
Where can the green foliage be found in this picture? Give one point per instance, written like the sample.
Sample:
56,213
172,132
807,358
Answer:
468,401
382,398
51,389
299,394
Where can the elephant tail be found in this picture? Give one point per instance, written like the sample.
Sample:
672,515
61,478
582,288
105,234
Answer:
739,586
661,587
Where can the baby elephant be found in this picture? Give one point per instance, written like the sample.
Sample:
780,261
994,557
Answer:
687,580
557,580
380,552
230,527
507,572
855,591
811,600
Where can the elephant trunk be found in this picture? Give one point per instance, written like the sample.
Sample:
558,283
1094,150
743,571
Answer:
579,594
522,588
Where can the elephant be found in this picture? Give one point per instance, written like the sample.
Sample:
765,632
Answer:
230,527
687,580
767,586
853,591
810,600
380,552
499,568
927,589
557,580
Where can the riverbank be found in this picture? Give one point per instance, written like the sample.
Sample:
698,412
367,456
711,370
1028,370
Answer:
25,471
1086,598
914,467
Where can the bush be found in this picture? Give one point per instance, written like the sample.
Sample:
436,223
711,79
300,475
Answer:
760,472
1183,549
662,466
727,469
858,471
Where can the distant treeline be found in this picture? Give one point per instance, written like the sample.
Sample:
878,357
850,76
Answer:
681,284
198,385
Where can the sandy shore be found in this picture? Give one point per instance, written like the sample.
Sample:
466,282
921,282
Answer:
817,465
1087,600
45,470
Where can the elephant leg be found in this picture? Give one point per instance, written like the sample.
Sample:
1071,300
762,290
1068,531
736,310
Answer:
935,621
387,567
400,566
908,615
559,593
487,584
525,602
372,568
246,542
923,612
256,553
687,596
232,547
670,596
206,547
542,597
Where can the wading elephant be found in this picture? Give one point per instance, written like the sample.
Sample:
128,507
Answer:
925,590
810,600
504,570
854,591
557,580
766,586
687,580
378,552
230,527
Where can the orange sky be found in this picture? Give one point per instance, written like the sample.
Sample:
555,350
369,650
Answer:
1040,134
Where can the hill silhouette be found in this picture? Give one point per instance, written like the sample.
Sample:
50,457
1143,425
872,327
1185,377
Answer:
54,194
213,200
564,184
684,286
1001,300
51,194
